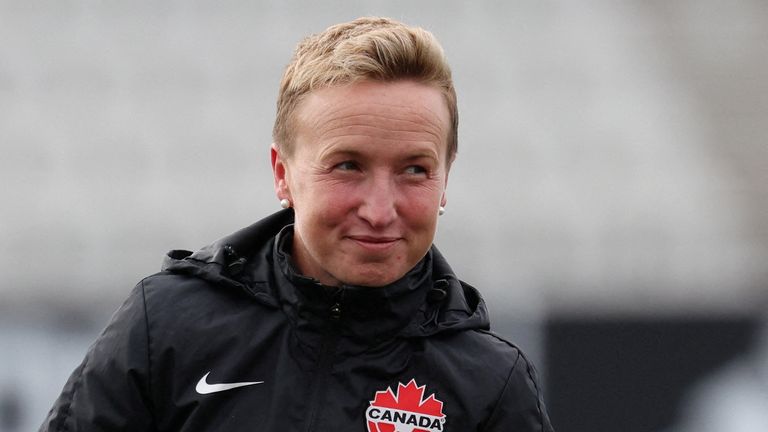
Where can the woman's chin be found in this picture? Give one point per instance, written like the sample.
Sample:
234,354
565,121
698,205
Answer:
368,275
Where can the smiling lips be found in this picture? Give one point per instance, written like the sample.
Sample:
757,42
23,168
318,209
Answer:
374,243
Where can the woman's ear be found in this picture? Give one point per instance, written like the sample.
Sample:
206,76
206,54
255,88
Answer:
443,199
279,171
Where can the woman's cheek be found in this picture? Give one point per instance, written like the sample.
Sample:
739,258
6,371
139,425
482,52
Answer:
338,198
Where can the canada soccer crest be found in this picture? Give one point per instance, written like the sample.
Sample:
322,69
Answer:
405,411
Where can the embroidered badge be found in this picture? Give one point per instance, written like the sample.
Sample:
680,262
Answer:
406,411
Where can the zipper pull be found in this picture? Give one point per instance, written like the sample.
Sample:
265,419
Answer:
335,312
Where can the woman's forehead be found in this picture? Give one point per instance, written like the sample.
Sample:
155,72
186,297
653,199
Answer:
401,111
398,98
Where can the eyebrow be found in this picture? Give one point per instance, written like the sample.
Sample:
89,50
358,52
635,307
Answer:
423,155
355,154
340,152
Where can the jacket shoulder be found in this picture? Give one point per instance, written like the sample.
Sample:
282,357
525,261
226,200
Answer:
116,364
170,289
500,372
520,405
179,306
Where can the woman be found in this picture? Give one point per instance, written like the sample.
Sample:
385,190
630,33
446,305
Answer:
337,313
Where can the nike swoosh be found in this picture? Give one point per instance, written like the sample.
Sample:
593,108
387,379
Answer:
204,388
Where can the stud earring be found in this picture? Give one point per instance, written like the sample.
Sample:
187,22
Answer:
441,211
285,203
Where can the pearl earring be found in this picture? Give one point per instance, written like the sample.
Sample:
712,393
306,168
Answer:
441,211
285,203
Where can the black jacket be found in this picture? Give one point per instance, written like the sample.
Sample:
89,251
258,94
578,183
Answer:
300,356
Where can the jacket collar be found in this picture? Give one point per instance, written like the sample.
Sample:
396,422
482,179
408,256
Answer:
427,300
358,311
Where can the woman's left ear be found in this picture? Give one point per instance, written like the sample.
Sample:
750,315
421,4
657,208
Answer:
443,200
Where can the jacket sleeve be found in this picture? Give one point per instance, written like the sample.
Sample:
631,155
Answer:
520,407
110,390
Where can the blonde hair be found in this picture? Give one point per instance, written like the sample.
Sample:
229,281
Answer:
369,48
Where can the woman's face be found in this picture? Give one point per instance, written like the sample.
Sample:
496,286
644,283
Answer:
366,179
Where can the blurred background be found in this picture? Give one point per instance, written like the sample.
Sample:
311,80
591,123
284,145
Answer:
609,196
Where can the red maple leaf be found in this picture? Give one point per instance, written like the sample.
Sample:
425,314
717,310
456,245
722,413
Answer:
409,397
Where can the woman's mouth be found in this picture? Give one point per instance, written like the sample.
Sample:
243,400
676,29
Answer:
376,243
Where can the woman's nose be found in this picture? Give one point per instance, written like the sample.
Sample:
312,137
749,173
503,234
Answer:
378,202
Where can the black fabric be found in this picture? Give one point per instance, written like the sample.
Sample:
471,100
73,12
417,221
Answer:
326,357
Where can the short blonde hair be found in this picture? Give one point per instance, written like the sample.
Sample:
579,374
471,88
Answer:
378,49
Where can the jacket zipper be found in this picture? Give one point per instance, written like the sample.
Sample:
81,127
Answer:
330,339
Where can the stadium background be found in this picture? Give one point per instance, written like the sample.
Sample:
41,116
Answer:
609,196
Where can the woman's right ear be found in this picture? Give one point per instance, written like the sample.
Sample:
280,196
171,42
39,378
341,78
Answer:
279,173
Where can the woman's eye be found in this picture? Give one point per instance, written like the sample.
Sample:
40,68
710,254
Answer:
346,166
415,169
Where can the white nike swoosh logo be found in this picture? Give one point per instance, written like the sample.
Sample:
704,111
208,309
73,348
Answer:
204,388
